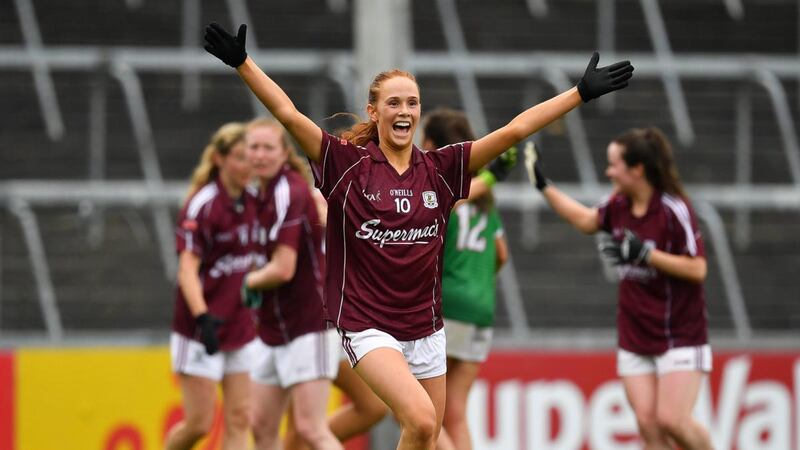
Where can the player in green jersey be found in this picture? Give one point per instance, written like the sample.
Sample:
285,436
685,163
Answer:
474,250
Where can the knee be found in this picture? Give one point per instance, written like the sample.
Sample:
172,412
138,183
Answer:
420,424
238,418
198,426
671,423
373,411
649,428
264,427
455,413
308,430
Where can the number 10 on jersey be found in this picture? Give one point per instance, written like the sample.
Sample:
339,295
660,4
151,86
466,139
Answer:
403,205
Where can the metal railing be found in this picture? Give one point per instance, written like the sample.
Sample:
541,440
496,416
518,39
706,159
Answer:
22,196
126,64
672,84
45,89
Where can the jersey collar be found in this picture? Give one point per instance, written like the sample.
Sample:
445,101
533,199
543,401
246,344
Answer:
652,207
269,189
377,155
235,205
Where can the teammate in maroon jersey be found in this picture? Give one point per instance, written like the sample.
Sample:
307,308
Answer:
661,317
213,336
388,204
300,354
363,408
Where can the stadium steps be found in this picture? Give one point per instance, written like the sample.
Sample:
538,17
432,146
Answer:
121,283
118,285
295,24
19,307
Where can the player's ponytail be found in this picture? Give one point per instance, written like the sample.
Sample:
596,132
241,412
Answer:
649,147
294,160
364,132
221,143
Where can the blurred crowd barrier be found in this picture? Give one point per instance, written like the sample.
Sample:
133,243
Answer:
127,398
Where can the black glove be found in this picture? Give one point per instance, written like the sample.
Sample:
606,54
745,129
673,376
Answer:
208,331
227,48
534,167
502,166
596,82
630,250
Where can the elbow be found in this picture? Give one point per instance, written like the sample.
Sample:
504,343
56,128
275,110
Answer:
502,259
286,275
587,225
516,132
701,272
693,271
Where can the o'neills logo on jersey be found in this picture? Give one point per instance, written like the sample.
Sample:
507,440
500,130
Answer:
401,192
404,236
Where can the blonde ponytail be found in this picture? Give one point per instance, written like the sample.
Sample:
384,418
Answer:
223,140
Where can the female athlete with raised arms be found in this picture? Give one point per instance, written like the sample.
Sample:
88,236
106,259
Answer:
388,204
661,316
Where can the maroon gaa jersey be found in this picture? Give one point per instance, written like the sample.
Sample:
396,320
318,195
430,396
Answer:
289,216
221,231
657,312
385,234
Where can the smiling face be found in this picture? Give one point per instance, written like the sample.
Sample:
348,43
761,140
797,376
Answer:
266,150
396,112
624,178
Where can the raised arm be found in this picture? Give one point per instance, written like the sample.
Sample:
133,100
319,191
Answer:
594,83
580,216
231,51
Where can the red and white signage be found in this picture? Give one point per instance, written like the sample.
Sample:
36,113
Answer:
526,400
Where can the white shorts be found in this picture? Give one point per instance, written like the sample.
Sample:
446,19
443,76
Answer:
426,356
467,341
312,356
189,357
679,359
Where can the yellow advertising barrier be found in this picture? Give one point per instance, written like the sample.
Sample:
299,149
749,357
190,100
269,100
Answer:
109,399
99,398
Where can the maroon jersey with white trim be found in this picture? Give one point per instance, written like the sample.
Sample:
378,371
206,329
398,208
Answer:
657,312
221,231
385,234
289,216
